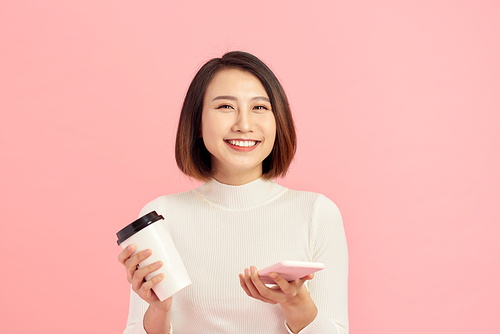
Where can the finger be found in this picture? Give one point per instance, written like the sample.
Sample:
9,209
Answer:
134,260
140,274
257,281
308,277
255,293
126,253
148,285
250,286
274,293
132,263
284,285
244,285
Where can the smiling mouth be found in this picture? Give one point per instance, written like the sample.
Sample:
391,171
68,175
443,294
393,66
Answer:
242,143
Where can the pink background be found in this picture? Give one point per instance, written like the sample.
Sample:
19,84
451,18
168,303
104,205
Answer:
397,110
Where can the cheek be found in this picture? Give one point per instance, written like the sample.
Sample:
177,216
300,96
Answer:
210,133
206,135
271,131
205,126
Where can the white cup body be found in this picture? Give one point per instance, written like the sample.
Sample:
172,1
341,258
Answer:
157,238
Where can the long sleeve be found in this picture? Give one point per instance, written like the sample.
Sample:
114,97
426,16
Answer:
137,309
329,286
137,306
220,230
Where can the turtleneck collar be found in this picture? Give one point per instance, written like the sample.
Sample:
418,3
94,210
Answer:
245,196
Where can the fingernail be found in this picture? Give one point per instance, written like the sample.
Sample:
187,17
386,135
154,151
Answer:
147,252
246,272
158,264
252,270
273,275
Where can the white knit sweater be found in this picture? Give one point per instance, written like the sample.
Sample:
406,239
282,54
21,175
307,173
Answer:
220,230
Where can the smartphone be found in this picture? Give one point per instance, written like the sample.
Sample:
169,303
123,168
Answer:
289,270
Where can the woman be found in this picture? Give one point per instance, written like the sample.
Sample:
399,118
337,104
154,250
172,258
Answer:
236,133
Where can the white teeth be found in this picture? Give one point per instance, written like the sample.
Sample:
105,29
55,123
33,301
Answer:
242,143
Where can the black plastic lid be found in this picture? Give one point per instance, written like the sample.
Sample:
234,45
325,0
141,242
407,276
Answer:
137,225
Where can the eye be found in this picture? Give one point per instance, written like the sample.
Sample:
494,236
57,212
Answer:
260,108
225,106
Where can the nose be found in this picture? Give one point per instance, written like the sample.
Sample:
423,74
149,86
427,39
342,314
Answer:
243,122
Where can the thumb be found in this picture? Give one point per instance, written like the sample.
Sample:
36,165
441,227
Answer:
307,278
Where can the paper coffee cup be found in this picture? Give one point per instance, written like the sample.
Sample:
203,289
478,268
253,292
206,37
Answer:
150,232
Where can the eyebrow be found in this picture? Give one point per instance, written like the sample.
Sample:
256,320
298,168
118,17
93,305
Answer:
232,98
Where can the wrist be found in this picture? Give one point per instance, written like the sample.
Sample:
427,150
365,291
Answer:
157,321
299,312
158,311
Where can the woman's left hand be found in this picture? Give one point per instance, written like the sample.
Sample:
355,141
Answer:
296,303
283,293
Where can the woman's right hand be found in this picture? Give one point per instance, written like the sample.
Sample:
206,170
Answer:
136,277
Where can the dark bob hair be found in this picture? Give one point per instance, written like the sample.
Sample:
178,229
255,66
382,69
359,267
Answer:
191,154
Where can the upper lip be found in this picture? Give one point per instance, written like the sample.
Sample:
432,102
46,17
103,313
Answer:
242,139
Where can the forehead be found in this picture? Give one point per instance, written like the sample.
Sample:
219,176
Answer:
235,82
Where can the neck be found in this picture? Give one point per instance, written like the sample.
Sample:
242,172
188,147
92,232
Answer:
237,179
239,197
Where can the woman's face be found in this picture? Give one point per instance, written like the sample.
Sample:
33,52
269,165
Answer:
238,126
